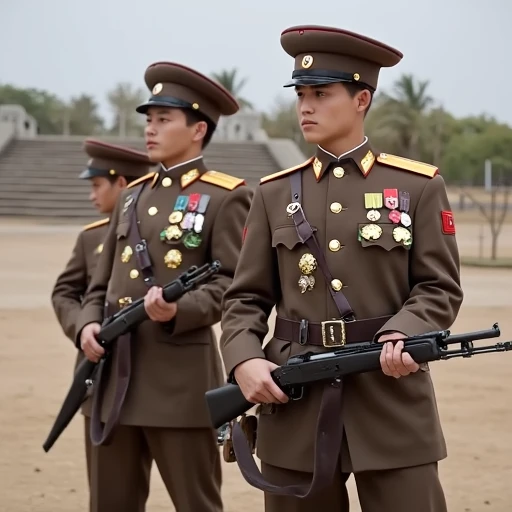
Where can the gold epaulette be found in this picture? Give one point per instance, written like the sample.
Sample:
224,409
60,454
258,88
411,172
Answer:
140,180
222,180
96,224
278,174
408,165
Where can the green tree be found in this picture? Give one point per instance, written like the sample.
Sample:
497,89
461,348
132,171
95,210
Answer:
229,78
83,116
46,108
124,99
403,113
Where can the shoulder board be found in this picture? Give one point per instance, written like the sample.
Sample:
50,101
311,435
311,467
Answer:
140,180
408,165
96,224
278,174
221,180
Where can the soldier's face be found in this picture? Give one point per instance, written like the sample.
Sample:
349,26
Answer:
104,193
168,137
326,113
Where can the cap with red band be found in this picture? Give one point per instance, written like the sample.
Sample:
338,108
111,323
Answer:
325,55
177,86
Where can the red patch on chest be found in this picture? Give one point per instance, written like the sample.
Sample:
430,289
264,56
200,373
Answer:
448,223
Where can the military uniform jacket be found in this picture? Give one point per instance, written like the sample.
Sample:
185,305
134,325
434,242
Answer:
173,364
414,278
72,283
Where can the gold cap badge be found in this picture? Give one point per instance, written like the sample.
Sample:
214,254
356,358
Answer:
157,88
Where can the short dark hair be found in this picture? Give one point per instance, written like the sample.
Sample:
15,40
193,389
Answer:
129,179
193,117
354,88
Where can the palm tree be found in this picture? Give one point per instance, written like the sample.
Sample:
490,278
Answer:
404,112
123,100
229,79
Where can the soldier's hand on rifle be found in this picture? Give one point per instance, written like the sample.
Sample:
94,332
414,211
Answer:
394,363
91,348
254,379
156,307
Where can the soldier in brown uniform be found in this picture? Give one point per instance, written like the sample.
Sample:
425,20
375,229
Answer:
386,266
183,215
109,169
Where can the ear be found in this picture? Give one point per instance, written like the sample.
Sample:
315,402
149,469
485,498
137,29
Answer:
363,100
200,130
121,182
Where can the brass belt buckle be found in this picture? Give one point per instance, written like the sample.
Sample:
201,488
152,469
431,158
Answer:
333,333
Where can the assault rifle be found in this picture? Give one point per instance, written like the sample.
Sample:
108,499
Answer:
227,402
122,322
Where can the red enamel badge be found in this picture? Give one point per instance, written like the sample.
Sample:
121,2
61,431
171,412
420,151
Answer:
448,223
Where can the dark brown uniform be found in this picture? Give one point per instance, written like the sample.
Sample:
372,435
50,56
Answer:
188,215
69,290
385,226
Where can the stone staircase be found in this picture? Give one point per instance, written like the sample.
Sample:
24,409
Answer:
39,177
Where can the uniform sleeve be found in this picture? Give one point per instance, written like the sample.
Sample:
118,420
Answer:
434,269
202,307
69,290
254,292
93,305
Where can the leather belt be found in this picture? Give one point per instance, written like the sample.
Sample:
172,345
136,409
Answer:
329,334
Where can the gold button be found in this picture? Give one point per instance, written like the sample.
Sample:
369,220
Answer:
336,207
334,245
167,182
134,273
337,285
338,172
153,210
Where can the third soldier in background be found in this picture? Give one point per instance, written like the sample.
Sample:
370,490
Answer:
183,215
385,266
109,170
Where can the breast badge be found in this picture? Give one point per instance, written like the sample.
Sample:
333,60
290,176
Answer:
307,265
173,258
371,232
403,236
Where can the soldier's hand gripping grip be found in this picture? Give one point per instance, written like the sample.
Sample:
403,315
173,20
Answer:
226,403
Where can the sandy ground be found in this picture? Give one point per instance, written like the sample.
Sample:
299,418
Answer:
36,364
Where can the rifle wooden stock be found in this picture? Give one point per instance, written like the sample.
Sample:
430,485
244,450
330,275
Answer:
123,321
227,402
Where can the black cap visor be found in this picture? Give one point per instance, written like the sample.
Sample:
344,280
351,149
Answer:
163,101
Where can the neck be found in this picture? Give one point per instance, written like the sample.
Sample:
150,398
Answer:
179,159
343,145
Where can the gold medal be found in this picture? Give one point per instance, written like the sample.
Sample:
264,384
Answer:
371,232
402,235
176,217
126,254
307,264
173,233
173,258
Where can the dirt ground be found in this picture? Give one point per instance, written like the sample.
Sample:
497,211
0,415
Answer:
36,364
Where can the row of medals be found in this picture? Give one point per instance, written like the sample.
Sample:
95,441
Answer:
373,202
398,214
184,227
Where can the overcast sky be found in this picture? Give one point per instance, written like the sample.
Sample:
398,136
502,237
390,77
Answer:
463,47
